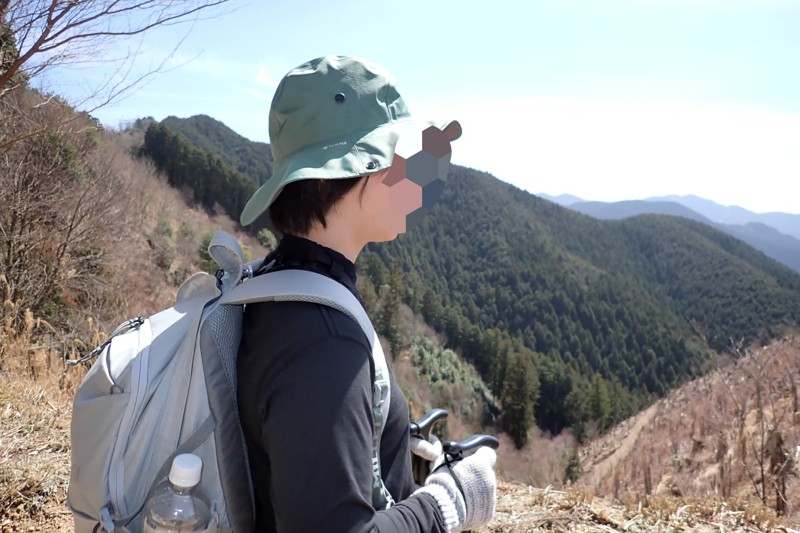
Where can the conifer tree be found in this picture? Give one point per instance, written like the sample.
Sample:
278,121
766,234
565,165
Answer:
390,309
520,392
496,347
600,403
369,298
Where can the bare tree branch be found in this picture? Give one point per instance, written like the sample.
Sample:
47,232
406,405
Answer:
39,35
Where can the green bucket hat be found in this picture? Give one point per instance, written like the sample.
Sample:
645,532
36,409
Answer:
334,117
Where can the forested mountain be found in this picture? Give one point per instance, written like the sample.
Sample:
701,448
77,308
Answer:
609,297
253,159
781,247
211,181
777,245
570,320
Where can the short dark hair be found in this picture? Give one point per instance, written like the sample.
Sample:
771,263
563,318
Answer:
303,202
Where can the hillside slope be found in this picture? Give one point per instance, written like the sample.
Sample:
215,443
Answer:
731,434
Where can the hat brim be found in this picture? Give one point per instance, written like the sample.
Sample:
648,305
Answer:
358,155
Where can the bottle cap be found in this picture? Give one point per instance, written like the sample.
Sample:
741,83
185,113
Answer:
186,470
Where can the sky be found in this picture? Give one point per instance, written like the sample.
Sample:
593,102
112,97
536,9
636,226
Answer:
603,99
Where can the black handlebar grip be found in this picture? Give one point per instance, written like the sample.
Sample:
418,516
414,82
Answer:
468,446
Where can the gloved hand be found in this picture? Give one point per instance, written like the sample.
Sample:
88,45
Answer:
466,491
430,449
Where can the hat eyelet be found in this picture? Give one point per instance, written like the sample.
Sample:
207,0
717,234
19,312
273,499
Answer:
340,98
371,165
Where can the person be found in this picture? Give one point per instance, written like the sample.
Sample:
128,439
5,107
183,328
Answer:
305,385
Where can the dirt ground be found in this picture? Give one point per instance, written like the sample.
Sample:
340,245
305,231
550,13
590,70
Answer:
596,472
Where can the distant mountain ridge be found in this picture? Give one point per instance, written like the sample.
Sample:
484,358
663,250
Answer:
784,222
561,199
762,237
631,208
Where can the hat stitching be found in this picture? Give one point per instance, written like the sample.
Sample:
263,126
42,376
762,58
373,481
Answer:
385,100
359,154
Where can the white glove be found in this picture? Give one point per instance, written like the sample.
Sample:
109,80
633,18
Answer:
473,503
430,449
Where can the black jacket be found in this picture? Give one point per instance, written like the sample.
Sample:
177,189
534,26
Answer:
305,392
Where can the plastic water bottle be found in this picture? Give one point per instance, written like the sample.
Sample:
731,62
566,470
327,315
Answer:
179,505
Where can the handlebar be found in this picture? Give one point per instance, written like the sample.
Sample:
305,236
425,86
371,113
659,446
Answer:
468,446
453,450
423,426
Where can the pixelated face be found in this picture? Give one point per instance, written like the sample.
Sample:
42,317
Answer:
416,179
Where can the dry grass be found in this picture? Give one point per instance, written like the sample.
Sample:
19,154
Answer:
18,326
35,414
523,509
34,456
145,286
31,348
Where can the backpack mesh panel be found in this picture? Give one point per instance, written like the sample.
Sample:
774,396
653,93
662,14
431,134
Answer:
219,345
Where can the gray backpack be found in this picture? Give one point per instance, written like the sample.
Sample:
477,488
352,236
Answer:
166,385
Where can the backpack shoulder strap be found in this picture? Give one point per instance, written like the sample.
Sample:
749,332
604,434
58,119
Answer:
302,285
